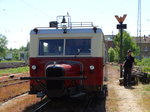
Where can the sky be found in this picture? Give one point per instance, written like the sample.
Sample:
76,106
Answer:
19,17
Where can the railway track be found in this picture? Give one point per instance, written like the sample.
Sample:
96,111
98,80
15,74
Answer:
8,82
14,97
7,65
9,89
88,104
41,107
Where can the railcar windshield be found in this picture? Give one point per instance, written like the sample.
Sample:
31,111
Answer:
51,47
78,46
65,47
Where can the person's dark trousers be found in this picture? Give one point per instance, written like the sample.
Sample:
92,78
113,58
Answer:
127,76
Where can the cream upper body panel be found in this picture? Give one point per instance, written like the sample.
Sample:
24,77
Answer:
97,40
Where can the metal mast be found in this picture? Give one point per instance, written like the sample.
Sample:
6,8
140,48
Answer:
138,39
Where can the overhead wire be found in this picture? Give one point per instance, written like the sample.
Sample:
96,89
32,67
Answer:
34,8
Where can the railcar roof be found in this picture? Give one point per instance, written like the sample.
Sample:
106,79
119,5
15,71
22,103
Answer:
60,31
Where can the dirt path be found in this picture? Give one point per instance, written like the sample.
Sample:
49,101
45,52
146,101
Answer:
127,101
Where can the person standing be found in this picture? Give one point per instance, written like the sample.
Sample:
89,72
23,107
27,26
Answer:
128,65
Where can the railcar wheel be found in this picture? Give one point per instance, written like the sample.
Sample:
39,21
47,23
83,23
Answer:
103,93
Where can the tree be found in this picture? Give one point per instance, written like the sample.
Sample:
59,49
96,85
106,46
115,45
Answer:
20,54
127,43
25,49
111,54
3,45
15,54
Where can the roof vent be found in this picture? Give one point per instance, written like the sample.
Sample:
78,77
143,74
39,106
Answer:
53,24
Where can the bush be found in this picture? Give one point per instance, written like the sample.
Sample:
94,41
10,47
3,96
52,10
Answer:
145,63
111,54
146,69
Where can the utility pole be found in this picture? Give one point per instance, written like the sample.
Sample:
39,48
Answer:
121,26
138,39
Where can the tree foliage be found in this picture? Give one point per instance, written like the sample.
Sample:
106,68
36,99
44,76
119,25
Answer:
111,54
25,48
16,53
127,43
145,64
3,45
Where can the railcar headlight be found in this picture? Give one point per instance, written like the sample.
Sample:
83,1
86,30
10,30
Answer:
64,27
33,67
92,67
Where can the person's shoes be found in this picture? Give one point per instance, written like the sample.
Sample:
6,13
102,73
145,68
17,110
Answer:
129,87
125,84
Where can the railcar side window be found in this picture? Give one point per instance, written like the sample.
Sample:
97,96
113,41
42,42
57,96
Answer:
51,47
78,47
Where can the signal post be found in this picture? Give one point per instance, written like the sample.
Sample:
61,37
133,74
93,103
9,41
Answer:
121,26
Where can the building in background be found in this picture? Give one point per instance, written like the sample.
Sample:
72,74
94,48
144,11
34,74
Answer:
108,43
9,56
144,44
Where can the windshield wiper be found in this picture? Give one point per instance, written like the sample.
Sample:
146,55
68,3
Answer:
79,51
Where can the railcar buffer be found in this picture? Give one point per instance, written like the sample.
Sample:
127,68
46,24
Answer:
55,78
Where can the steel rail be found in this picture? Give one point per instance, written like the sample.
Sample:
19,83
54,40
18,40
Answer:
42,106
14,79
13,84
16,96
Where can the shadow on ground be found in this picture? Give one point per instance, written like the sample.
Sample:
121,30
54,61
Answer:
71,105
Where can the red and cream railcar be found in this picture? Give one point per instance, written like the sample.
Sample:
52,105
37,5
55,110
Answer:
66,60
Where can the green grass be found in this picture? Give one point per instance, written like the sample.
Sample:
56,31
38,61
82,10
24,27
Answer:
144,63
147,87
9,61
14,70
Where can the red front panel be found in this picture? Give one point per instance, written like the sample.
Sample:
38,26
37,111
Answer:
94,77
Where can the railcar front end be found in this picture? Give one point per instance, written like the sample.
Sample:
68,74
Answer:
66,61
